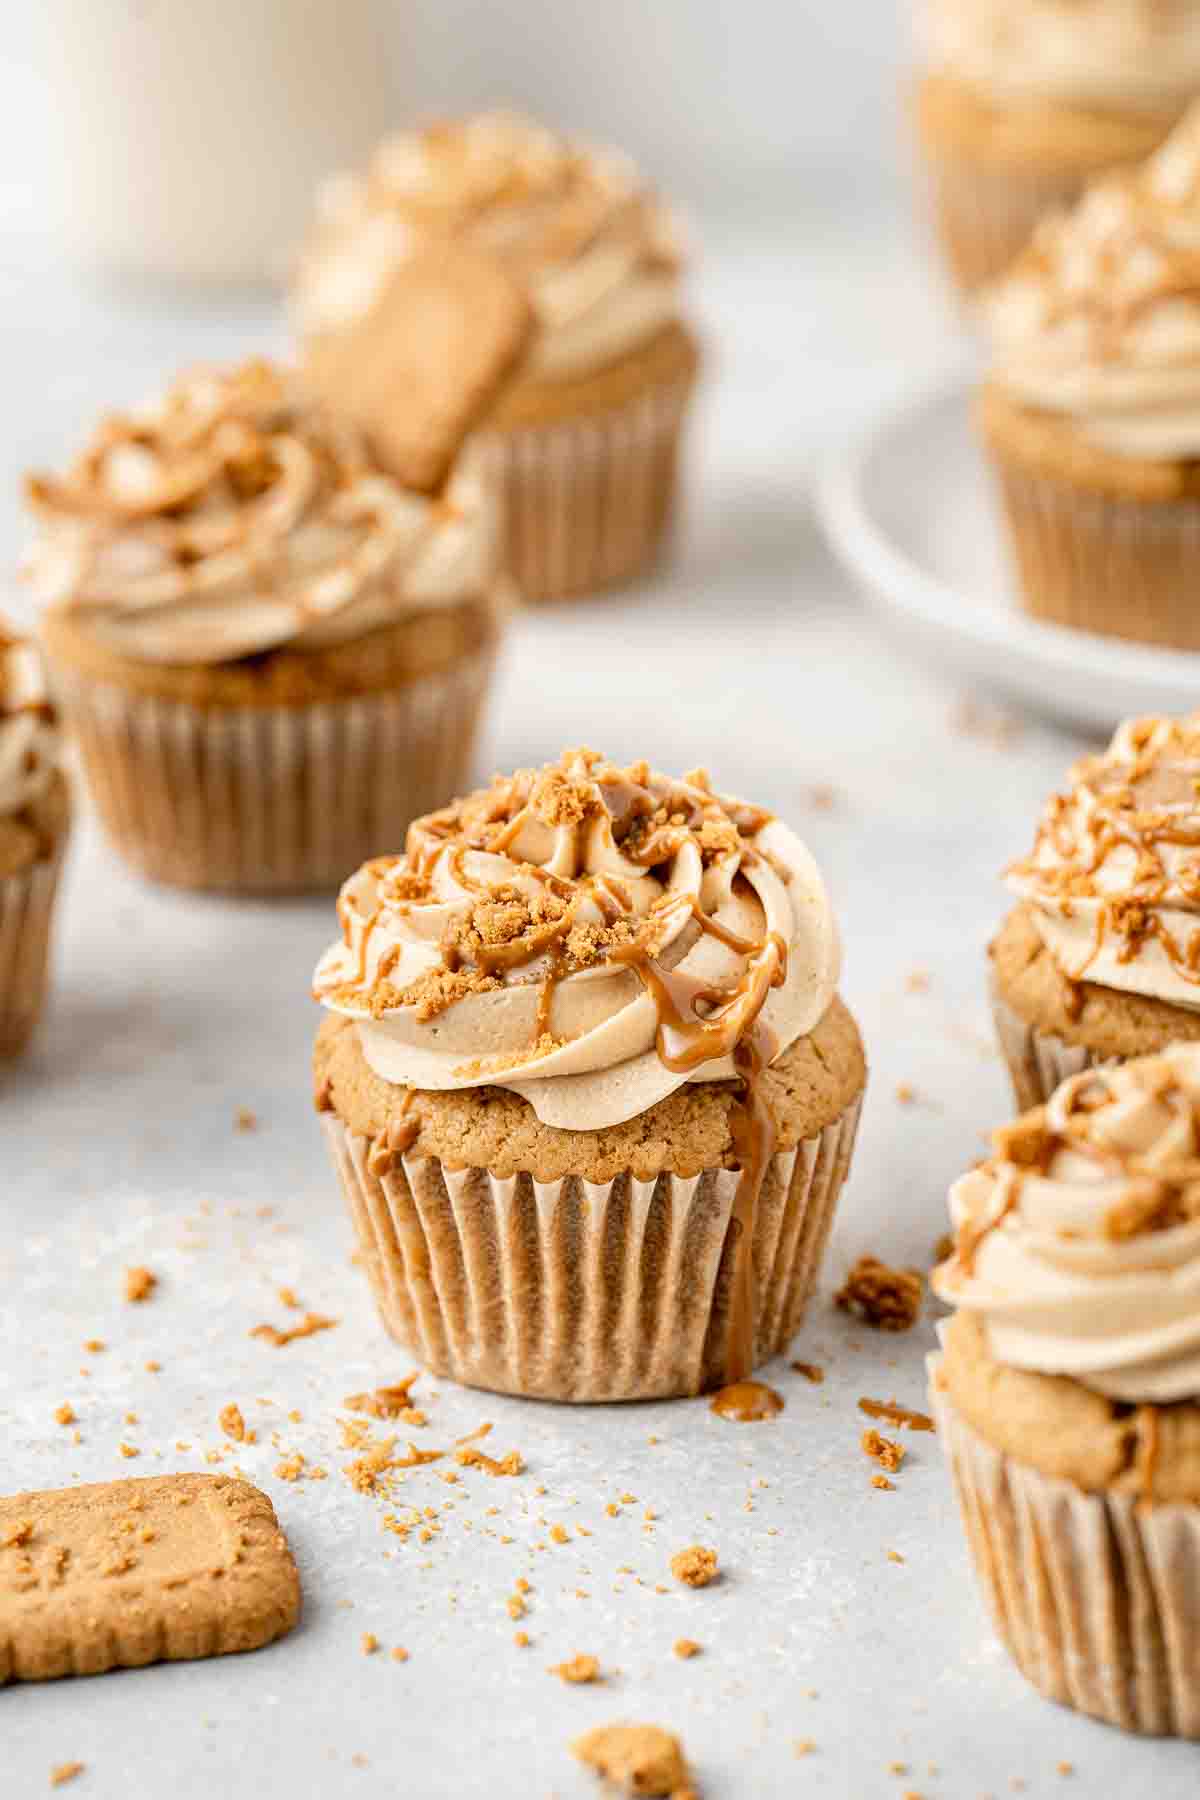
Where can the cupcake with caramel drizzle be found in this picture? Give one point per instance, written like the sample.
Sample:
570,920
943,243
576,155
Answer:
1068,1388
1100,961
588,1083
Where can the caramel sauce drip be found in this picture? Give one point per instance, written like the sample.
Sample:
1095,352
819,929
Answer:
895,1414
747,1401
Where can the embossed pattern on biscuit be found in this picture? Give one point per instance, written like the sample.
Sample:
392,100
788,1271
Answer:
122,1573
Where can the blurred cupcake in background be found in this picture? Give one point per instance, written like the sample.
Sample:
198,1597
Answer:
583,441
1024,101
1100,959
272,654
34,828
1091,412
588,1084
1067,1391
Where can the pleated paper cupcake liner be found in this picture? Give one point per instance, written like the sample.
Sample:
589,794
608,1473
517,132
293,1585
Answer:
271,799
1037,1060
587,502
26,914
1103,563
579,1290
1095,1596
984,217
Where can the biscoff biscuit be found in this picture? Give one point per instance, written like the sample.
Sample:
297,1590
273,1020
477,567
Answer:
118,1574
422,365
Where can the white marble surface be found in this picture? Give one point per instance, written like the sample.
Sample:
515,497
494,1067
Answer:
117,1147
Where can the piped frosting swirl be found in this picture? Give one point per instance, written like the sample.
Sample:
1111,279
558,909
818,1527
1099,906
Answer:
597,254
1099,319
1113,879
1120,55
30,742
588,935
235,516
1078,1243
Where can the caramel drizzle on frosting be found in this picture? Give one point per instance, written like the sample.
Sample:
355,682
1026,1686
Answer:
651,817
1104,813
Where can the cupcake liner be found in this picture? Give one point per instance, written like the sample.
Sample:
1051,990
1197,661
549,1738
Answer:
579,1290
587,501
1103,563
271,799
984,216
1095,1596
26,912
1037,1060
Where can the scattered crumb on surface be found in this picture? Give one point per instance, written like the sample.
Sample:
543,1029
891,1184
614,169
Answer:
64,1414
906,1093
803,1746
234,1425
61,1773
245,1120
152,1367
578,1670
639,1759
881,1481
695,1567
128,1450
887,1298
368,1643
811,1371
399,1654
309,1325
94,1345
894,1556
516,1606
686,1648
522,1640
140,1283
885,1451
895,1414
918,981
559,1534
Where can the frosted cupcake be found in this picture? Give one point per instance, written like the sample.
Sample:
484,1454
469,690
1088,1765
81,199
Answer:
1092,411
34,827
272,655
1067,1392
583,440
1100,959
587,1082
1024,101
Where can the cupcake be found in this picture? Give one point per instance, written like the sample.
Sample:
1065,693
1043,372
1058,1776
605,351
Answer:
1091,414
1067,1390
1025,101
583,441
273,656
587,1082
1100,959
34,827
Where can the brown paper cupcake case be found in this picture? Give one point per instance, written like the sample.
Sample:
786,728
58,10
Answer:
26,912
1102,563
579,1290
1095,1596
1037,1060
271,799
984,217
587,501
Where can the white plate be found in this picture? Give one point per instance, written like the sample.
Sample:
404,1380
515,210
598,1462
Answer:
911,514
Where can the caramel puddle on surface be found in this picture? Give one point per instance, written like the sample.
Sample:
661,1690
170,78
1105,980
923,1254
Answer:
746,1401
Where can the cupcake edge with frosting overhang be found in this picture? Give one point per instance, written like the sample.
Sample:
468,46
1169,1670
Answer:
583,441
35,817
1091,410
1067,1389
273,656
1020,105
1099,961
587,1083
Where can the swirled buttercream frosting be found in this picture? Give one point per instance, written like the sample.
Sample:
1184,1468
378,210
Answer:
588,935
1099,319
235,516
1113,880
29,736
1078,1243
1118,55
596,253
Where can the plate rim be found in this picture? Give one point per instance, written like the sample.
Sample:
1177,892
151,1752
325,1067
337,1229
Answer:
864,547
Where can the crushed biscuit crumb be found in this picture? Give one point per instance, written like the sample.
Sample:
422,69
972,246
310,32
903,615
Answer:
695,1567
641,1759
140,1283
368,1643
887,1298
61,1773
686,1648
309,1325
885,1451
244,1119
579,1670
64,1414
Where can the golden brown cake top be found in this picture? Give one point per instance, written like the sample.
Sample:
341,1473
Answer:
1078,1241
589,934
1099,319
1114,875
234,515
30,742
595,251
